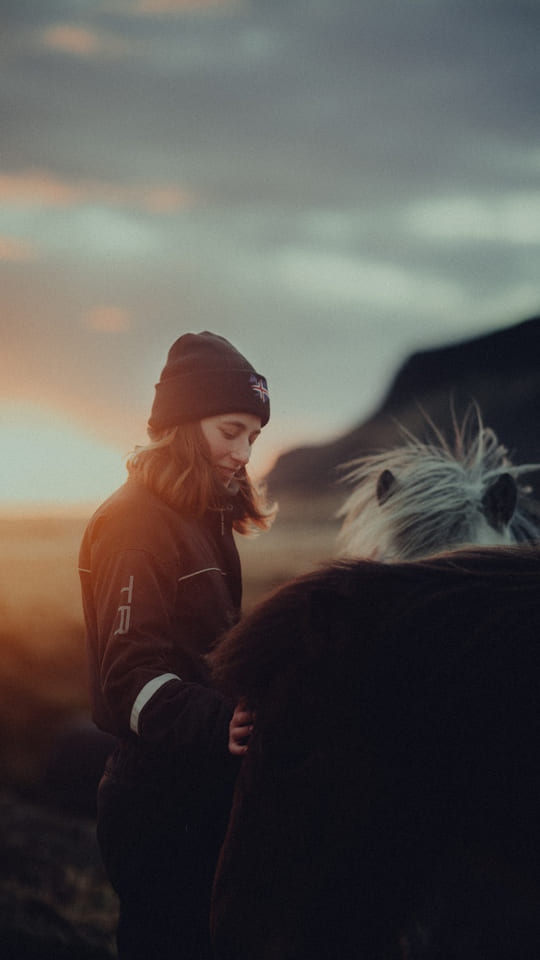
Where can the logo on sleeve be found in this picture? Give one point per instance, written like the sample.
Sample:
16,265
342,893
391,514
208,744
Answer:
124,609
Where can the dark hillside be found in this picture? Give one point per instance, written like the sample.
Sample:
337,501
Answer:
500,371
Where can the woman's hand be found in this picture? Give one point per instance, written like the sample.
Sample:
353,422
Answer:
240,729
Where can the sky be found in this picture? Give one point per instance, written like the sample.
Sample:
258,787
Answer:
330,184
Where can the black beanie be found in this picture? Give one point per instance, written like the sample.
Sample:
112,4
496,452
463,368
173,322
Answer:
205,376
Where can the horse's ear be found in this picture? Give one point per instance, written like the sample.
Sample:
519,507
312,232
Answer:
385,486
499,501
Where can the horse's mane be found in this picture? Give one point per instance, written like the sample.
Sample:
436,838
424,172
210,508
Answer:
437,498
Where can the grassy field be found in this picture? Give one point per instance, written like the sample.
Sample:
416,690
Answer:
42,665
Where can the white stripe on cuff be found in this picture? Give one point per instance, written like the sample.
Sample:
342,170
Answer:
145,694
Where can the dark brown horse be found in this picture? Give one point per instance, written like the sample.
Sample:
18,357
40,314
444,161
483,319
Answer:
389,802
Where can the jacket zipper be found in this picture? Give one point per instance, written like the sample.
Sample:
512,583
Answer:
222,515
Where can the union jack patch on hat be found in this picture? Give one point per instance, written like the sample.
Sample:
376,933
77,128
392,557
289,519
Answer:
205,376
260,387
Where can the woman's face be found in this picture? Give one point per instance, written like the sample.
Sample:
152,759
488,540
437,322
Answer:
230,437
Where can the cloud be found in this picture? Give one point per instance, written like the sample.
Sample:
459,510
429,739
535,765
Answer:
14,250
40,188
510,218
365,178
153,7
82,41
108,318
342,279
85,218
72,39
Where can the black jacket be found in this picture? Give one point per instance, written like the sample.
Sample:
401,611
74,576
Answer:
158,589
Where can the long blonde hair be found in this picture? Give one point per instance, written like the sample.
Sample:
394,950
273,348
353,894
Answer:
176,466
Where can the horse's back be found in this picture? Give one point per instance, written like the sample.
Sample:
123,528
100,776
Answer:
400,735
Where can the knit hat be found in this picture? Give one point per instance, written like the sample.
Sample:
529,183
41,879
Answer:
205,376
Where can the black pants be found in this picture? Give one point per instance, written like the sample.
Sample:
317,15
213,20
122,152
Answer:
160,858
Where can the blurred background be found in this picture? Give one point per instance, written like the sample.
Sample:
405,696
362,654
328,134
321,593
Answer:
331,184
348,190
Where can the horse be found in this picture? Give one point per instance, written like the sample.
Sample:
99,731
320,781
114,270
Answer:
387,805
423,497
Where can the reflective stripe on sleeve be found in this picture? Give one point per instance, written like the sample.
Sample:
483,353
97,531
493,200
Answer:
145,694
196,573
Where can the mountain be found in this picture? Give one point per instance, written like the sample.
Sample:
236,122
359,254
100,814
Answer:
500,371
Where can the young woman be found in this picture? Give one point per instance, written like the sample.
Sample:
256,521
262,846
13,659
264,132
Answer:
161,581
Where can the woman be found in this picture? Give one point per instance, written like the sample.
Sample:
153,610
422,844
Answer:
161,581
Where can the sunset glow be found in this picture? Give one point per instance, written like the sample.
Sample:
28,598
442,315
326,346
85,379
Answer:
48,461
333,187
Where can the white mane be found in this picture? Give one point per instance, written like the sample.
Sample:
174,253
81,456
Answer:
423,497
